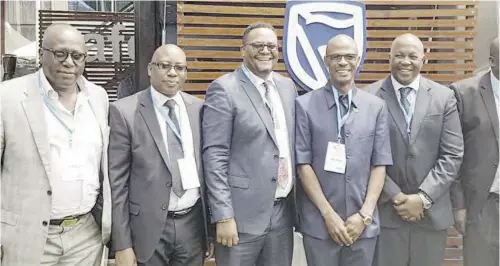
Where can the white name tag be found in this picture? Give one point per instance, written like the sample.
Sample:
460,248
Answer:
335,160
73,166
189,172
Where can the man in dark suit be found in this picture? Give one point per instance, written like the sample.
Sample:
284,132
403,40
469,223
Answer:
248,121
427,148
340,123
159,213
475,195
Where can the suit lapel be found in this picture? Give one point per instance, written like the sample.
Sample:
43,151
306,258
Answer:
146,108
282,91
34,109
388,94
193,112
489,102
258,103
424,95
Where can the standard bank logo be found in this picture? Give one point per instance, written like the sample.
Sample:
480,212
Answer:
308,27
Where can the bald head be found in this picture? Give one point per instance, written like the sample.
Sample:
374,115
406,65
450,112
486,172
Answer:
406,58
168,69
494,57
341,40
63,54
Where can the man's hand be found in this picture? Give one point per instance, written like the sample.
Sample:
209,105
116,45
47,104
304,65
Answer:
125,257
227,233
336,229
399,199
355,226
411,209
461,220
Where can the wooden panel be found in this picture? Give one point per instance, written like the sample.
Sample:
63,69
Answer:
368,2
211,54
206,42
280,11
214,31
394,23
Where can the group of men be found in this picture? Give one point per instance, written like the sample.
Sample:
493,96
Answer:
382,171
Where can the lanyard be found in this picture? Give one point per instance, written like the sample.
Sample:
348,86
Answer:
341,120
171,124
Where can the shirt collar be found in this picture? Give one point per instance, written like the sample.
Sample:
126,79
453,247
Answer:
353,95
495,84
160,99
256,80
415,84
48,90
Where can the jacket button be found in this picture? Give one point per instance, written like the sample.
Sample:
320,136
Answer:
44,223
495,165
273,179
49,192
276,157
164,207
169,184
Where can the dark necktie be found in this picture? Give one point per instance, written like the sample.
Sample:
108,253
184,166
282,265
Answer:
344,104
405,91
174,150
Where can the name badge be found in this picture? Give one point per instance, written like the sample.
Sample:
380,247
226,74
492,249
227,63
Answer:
335,160
189,172
73,166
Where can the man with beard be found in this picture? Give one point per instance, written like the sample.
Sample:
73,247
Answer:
248,120
475,195
342,147
427,147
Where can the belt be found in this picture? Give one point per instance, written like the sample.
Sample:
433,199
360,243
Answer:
181,213
493,195
279,200
67,221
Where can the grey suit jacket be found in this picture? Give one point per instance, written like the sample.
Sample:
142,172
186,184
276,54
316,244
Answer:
479,117
26,169
430,159
240,152
367,144
139,171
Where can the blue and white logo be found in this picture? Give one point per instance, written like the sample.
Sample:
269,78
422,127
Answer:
308,27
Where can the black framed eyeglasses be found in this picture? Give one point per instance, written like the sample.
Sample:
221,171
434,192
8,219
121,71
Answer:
338,57
62,55
260,46
167,67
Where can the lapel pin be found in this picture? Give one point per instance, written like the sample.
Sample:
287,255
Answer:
355,110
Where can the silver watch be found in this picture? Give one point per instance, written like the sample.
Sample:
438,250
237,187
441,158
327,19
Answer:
426,201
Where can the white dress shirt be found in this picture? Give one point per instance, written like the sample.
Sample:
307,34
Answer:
190,197
495,187
283,139
412,96
75,158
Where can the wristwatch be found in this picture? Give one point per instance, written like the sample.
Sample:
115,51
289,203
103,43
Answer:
425,200
367,219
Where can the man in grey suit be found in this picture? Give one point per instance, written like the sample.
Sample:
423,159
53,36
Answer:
159,213
342,147
475,195
248,156
56,202
427,148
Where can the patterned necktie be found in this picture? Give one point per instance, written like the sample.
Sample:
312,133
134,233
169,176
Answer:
283,163
405,91
344,104
174,150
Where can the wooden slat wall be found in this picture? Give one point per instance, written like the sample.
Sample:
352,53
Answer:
210,33
107,74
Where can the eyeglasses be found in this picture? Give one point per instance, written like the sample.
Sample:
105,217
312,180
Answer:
338,57
62,55
260,46
167,67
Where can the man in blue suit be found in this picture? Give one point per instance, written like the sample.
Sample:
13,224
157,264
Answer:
342,148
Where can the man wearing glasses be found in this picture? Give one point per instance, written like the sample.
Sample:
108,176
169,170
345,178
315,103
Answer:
157,186
248,120
342,147
56,202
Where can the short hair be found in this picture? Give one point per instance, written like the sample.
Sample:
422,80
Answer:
254,26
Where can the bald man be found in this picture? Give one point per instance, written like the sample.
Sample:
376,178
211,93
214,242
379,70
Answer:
475,195
427,148
56,203
157,186
342,147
